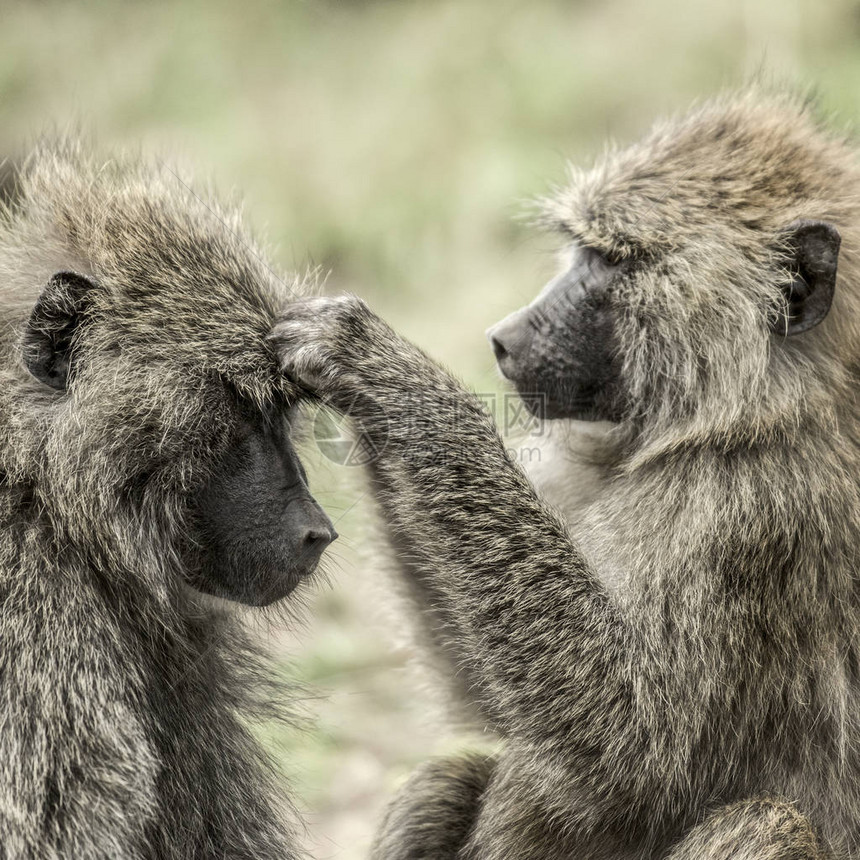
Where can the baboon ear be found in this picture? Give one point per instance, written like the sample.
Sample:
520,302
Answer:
49,337
814,249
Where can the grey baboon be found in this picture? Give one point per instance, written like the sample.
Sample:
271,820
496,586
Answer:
144,458
682,657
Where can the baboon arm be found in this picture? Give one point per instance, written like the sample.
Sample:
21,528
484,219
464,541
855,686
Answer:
556,665
471,807
499,558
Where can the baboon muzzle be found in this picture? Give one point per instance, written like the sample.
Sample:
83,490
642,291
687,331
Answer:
511,340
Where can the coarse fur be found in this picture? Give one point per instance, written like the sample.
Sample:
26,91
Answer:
125,694
675,667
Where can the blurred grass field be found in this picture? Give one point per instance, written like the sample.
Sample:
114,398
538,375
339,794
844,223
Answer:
394,144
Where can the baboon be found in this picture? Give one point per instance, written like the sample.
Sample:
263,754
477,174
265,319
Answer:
144,459
675,669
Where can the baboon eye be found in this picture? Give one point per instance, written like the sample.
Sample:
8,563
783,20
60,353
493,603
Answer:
598,270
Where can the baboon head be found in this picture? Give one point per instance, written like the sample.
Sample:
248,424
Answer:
142,403
697,265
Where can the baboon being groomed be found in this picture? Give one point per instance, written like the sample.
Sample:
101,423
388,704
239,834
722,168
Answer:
144,458
675,669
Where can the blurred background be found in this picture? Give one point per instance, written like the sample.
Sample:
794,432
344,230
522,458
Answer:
394,144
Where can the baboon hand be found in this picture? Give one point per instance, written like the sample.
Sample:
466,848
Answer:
319,342
340,351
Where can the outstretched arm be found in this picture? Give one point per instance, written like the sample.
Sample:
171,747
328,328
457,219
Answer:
567,678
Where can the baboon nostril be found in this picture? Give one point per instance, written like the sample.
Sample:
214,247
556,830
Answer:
319,538
506,339
499,349
511,341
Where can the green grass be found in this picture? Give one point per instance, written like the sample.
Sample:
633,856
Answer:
395,144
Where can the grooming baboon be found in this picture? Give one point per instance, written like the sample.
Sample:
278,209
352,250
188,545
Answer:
144,458
692,656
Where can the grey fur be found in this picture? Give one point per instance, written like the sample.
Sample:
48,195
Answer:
696,644
763,829
438,808
124,694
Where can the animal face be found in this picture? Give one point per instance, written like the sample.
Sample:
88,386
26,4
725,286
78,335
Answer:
691,262
253,530
152,397
259,529
564,345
